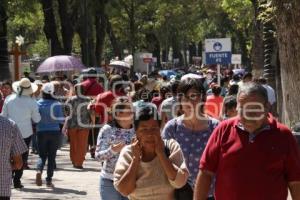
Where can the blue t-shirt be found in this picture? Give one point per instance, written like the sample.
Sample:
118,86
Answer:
52,115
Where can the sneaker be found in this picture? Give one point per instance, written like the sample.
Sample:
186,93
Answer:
49,184
38,179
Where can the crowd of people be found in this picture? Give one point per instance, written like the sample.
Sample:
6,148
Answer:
155,137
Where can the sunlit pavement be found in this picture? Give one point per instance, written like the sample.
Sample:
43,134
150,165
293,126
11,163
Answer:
69,183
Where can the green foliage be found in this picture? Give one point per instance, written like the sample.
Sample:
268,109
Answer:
267,12
26,19
182,21
239,11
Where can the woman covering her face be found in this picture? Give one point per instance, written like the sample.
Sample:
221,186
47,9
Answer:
150,168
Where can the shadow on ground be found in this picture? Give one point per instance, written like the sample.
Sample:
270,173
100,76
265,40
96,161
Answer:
54,191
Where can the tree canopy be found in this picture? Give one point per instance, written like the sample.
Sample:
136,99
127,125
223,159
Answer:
136,25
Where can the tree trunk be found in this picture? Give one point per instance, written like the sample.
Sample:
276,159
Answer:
288,23
243,47
85,32
113,40
67,30
176,50
131,16
4,67
278,90
50,28
257,51
100,32
153,46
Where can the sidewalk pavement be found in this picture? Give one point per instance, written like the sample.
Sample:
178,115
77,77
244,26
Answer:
69,183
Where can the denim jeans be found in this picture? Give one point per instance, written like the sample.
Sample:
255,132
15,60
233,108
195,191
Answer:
48,144
108,191
17,174
34,142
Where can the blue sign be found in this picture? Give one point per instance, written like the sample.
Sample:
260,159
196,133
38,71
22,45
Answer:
222,58
218,51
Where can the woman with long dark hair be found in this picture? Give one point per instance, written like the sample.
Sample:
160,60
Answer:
111,140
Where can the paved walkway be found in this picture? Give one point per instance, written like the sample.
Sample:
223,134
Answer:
69,183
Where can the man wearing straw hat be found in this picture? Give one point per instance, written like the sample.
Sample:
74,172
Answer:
23,110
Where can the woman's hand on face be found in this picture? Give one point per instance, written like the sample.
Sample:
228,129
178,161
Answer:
159,145
136,149
118,147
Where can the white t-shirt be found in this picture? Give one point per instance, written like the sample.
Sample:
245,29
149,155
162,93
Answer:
271,94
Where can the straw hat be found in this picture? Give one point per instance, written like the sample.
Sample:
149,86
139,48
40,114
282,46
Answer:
24,87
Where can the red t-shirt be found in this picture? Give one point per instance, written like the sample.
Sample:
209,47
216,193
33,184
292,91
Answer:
213,106
92,87
103,104
259,169
157,101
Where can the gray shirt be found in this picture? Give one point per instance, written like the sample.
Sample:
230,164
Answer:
11,144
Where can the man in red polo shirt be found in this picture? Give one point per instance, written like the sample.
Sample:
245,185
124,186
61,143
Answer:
102,105
91,87
105,99
252,156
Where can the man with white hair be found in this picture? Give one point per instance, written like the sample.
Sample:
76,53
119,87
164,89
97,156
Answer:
23,110
253,156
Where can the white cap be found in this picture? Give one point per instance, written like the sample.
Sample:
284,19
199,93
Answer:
48,88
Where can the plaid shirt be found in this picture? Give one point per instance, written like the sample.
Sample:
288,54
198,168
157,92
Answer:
11,144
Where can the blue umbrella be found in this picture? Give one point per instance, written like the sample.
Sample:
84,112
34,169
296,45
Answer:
167,73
